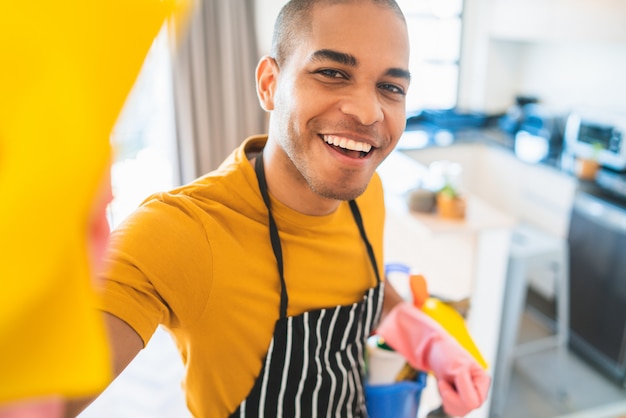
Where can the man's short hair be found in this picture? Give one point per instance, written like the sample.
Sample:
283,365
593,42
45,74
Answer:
294,21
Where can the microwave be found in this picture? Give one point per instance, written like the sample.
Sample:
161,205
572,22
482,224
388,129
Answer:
598,135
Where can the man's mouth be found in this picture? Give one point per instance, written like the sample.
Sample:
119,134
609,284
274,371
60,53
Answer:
347,146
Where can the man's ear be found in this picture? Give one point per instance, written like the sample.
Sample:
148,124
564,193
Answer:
266,78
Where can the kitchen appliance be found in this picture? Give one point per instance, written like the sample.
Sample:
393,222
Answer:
596,240
539,134
510,122
598,134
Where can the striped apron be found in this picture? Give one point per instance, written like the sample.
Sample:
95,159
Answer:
315,363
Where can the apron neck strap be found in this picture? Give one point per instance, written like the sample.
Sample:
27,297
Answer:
356,214
274,238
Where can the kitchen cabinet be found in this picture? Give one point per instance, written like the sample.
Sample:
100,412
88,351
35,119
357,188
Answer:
545,196
559,20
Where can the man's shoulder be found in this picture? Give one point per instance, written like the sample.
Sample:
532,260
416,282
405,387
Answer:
235,174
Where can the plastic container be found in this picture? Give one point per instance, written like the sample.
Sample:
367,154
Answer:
383,364
397,400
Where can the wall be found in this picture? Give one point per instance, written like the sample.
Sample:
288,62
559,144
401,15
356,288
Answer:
581,74
568,53
265,13
562,75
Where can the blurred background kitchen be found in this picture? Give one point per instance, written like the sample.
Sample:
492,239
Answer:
516,93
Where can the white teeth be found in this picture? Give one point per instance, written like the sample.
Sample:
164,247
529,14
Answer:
348,144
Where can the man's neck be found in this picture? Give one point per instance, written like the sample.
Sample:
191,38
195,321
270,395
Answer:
288,186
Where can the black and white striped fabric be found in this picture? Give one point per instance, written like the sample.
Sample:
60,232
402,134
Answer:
315,364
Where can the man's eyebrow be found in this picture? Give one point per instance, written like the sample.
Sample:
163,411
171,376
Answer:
399,73
350,60
339,57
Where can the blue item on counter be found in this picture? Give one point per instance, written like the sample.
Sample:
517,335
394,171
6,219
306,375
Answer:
397,400
453,118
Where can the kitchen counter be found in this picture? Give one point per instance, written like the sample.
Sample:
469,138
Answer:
419,136
609,185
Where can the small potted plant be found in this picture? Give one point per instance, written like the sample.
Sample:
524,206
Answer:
586,168
450,204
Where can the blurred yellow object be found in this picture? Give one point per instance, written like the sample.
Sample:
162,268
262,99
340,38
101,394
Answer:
67,68
445,315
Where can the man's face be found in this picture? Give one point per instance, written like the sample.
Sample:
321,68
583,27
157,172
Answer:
339,101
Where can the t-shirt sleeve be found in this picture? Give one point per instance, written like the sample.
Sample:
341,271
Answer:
157,268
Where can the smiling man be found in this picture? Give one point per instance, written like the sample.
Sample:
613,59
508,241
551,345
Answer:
267,271
337,96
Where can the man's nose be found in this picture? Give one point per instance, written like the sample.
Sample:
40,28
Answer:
363,105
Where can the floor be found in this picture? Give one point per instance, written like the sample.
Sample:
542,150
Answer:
538,391
150,387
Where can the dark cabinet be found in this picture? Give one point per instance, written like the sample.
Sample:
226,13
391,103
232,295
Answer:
597,246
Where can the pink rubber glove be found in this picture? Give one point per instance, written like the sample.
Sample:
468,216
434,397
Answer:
463,383
51,407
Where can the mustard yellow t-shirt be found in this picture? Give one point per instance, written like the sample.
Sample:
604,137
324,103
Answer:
199,261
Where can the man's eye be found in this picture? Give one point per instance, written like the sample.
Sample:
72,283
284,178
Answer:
392,88
330,73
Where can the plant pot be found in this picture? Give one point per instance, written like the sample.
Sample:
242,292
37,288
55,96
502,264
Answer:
421,200
451,207
586,169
